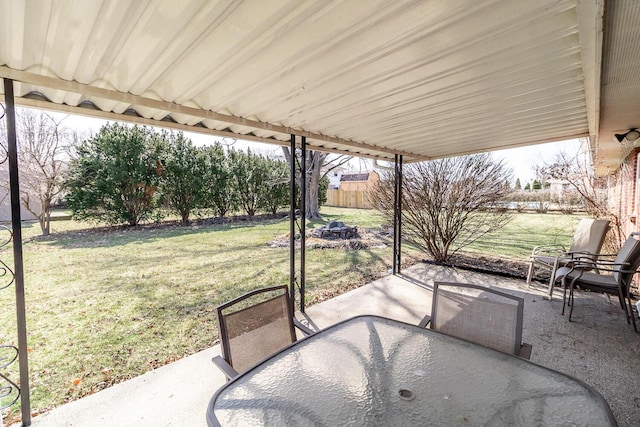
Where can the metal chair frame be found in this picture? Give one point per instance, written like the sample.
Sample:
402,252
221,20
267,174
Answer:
519,349
554,256
577,272
225,361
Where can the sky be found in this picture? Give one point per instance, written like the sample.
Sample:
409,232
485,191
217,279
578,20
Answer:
521,160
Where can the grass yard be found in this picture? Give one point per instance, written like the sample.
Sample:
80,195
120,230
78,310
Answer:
525,231
105,306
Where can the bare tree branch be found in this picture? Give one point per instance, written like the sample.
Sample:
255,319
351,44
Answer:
43,150
447,204
576,170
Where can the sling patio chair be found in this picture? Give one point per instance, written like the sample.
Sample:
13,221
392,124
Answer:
587,240
480,315
613,278
253,327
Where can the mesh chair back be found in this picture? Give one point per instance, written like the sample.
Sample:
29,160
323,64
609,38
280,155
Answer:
255,326
629,253
589,235
478,314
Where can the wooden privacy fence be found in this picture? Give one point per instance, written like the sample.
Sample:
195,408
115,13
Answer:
348,199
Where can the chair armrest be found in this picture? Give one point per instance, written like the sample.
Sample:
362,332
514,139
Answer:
576,256
525,351
579,254
591,255
600,265
550,249
584,263
424,322
224,366
305,330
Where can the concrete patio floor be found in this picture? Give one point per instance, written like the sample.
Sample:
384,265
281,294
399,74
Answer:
598,347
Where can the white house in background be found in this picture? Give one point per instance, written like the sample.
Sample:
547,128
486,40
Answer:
5,208
334,177
558,187
5,199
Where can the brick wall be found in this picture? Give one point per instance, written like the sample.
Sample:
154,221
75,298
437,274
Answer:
624,200
622,195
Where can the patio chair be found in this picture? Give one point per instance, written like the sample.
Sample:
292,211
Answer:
253,327
587,240
613,278
478,314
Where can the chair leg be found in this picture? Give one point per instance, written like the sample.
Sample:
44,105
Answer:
627,306
621,300
564,293
530,273
623,305
552,279
630,306
551,284
571,301
550,290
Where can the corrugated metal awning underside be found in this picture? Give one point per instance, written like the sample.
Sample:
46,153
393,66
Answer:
424,79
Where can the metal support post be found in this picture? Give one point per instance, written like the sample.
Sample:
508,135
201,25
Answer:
294,274
303,218
16,224
397,216
292,223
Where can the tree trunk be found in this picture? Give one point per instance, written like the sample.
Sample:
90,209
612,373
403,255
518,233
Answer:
314,163
46,230
184,214
42,221
314,160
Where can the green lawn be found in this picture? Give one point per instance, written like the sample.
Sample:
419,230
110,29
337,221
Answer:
106,306
525,231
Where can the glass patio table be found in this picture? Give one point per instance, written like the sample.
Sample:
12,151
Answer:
374,371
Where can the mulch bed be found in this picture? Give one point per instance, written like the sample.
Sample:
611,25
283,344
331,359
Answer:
490,265
363,240
371,240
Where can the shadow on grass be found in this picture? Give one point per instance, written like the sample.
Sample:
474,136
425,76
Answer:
122,235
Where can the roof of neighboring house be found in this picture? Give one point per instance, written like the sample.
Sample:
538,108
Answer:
341,169
354,177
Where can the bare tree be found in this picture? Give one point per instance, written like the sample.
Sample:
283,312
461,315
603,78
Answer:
447,204
318,165
576,170
43,144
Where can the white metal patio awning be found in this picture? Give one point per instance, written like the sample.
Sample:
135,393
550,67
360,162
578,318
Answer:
424,79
